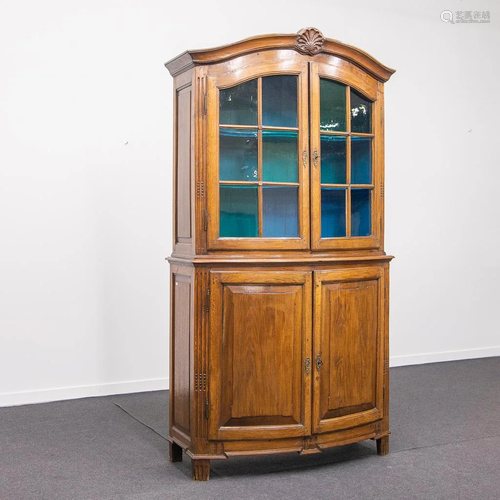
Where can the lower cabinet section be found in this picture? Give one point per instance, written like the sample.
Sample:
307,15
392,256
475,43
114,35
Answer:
277,359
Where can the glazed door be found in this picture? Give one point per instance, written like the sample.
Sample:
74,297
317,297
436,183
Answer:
348,348
347,158
260,342
257,159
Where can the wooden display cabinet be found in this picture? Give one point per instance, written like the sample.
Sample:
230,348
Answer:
279,279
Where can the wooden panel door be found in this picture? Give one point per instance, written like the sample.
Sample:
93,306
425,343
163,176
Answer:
348,348
260,338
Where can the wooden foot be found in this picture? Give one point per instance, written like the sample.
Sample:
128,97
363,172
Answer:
175,452
201,469
383,445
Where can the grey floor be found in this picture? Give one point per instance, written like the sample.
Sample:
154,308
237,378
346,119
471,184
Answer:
445,444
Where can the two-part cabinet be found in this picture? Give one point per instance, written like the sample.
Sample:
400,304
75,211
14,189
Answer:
279,279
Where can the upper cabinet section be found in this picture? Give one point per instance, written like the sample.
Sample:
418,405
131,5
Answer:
287,145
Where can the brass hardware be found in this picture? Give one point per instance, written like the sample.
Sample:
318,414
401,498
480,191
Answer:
208,300
308,365
319,362
304,158
315,158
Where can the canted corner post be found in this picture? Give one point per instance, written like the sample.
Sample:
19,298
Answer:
200,469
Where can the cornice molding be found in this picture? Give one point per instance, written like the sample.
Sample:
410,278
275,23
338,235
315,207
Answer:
309,41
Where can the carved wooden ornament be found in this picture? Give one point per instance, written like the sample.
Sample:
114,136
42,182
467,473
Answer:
310,41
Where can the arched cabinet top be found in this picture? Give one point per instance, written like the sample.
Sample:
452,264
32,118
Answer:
308,41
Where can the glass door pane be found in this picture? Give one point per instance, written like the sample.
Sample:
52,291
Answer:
259,158
332,106
360,212
361,113
279,101
279,156
238,212
238,155
361,160
333,159
281,217
342,140
238,104
333,223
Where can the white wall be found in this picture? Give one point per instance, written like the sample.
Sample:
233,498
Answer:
85,186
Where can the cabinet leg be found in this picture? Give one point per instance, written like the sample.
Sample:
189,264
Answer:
383,445
201,469
175,452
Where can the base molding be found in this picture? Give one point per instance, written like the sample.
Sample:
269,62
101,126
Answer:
84,391
442,356
200,463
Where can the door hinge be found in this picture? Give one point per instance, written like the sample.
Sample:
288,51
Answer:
382,190
208,299
205,220
205,103
206,408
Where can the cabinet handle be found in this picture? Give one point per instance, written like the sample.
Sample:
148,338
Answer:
315,157
319,362
308,365
304,158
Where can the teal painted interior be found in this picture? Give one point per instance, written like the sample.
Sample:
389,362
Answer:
361,219
239,212
280,212
279,156
238,155
333,159
333,221
361,160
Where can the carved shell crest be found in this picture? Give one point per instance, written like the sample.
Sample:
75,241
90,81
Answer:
310,41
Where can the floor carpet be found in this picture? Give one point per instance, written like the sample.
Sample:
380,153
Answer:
445,444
